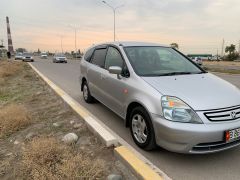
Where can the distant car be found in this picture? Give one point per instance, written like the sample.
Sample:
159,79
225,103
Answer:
19,56
59,58
216,58
197,60
28,57
44,55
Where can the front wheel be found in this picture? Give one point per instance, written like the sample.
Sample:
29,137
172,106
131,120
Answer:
142,129
86,93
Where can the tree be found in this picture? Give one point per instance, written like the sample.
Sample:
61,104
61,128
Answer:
231,50
39,52
174,45
22,50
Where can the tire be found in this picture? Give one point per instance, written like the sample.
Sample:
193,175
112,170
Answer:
86,93
142,129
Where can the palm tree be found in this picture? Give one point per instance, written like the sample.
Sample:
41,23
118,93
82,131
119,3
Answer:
230,49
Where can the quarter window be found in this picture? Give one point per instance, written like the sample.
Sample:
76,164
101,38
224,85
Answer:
88,54
113,58
99,57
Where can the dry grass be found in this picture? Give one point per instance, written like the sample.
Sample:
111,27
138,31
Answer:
8,68
13,117
46,158
222,63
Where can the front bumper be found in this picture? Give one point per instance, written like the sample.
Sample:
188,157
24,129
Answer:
28,59
193,138
60,60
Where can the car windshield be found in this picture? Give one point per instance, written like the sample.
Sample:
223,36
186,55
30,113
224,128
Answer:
60,55
27,54
159,61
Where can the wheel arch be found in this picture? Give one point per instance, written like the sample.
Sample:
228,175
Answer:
82,81
130,107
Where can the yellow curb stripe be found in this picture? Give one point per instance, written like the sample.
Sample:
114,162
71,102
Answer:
142,169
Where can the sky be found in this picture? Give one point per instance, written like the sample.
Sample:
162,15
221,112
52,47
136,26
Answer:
198,26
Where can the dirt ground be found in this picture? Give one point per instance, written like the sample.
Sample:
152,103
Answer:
222,63
231,67
33,121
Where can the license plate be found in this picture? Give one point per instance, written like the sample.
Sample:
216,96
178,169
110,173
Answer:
232,135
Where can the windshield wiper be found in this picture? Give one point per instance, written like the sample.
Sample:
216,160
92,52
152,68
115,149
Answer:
174,73
200,72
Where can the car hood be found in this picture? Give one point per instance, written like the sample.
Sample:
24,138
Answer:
199,91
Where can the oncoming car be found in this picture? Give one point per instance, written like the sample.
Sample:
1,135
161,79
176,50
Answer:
164,97
27,57
44,55
197,60
59,57
19,56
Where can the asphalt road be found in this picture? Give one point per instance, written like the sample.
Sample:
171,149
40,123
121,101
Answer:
222,165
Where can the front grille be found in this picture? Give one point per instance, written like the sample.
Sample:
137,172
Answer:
226,114
215,146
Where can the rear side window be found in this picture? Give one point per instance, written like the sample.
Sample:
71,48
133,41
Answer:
99,57
88,54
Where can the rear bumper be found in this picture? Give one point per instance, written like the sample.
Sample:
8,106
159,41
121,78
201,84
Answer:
192,138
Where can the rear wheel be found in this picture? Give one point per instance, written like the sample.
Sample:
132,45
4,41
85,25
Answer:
142,129
86,93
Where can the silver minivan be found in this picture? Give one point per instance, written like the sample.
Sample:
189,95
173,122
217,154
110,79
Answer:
165,98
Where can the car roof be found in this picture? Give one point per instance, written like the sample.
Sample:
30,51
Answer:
132,43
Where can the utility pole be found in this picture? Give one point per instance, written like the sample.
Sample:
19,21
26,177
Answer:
223,48
10,43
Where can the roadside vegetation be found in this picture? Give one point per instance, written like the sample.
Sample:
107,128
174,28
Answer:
231,67
33,122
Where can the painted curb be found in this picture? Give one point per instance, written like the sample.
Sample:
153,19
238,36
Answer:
137,166
107,138
140,169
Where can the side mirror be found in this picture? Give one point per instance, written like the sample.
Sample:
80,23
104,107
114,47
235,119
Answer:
115,70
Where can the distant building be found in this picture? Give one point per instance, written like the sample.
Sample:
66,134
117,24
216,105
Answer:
202,56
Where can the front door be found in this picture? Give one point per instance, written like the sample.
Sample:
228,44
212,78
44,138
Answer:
114,89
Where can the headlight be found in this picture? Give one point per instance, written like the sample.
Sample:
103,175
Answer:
176,110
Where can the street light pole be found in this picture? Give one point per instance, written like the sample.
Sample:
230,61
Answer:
61,45
75,34
76,43
114,17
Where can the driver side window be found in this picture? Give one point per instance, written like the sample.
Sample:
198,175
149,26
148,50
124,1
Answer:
113,58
